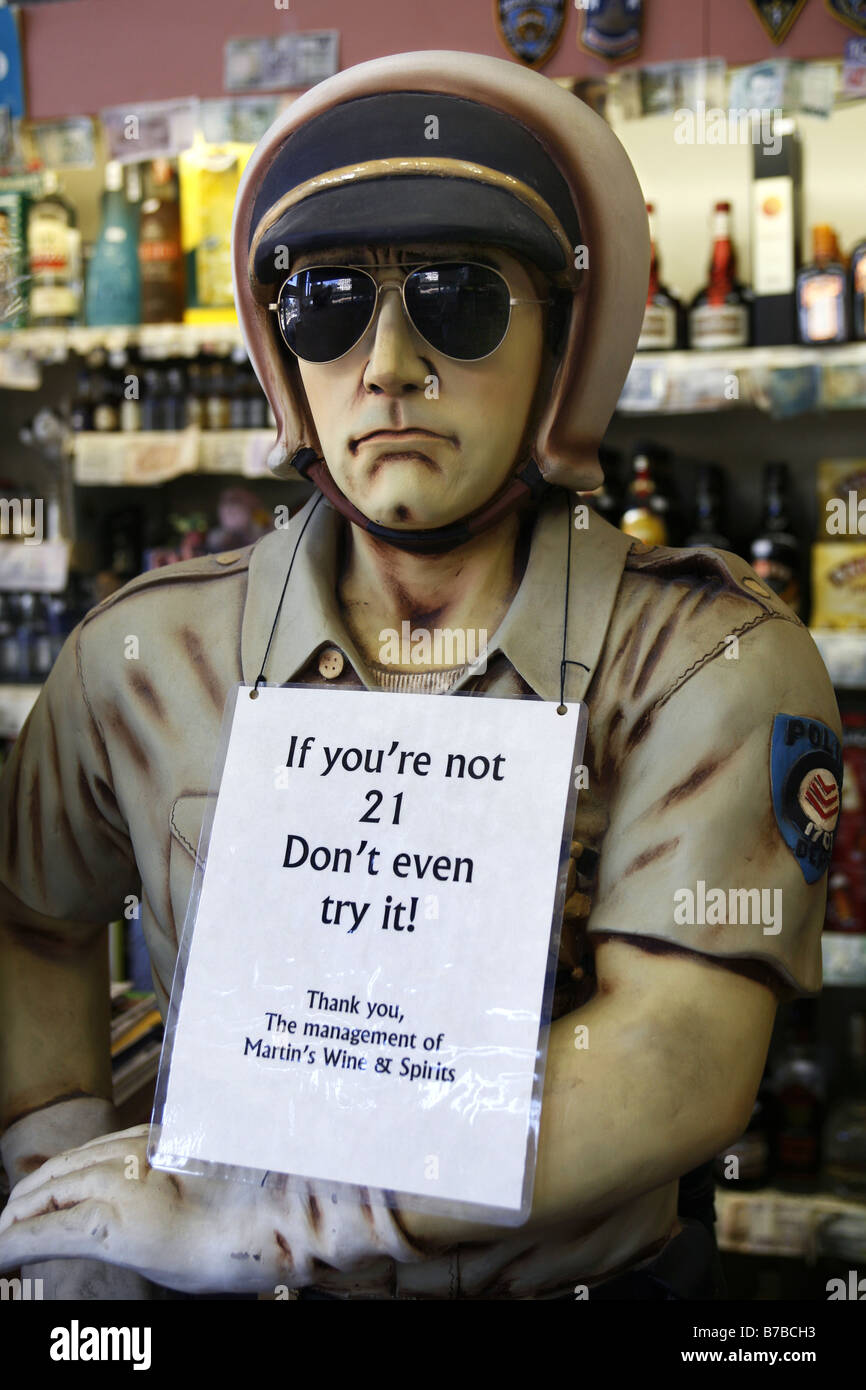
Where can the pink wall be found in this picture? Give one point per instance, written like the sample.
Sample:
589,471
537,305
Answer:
87,54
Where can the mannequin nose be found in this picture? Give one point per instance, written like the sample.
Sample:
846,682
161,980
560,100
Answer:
395,365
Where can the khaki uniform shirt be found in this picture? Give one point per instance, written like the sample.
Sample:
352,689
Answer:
683,657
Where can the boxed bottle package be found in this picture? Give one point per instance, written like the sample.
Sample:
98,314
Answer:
841,499
209,178
839,584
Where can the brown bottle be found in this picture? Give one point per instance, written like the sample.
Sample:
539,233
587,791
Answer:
163,285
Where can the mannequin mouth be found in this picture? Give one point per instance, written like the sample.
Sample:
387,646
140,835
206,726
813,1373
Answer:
402,439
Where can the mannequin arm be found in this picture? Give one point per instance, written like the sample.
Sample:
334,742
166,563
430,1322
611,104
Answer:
676,1048
54,1002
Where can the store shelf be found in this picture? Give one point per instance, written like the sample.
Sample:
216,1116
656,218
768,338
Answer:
156,340
151,457
16,702
844,654
769,1222
783,381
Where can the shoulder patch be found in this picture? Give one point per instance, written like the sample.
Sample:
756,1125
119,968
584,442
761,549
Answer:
806,781
720,570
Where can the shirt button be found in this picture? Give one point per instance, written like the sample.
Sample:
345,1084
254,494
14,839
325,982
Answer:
330,663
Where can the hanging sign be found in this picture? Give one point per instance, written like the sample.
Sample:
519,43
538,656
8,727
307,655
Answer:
610,28
376,923
850,12
530,32
777,16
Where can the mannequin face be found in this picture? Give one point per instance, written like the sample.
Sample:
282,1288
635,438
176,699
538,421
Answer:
404,456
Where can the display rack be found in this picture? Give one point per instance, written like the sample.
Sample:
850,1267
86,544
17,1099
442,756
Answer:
119,459
808,1226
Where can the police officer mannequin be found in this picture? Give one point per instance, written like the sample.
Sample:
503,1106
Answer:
679,1023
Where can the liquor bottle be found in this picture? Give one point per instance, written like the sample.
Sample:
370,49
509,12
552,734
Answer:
647,509
81,412
746,1164
719,316
8,640
775,551
709,526
822,292
844,1136
257,401
163,285
54,253
129,409
104,394
174,401
663,320
857,272
114,283
154,388
237,389
799,1086
194,395
216,400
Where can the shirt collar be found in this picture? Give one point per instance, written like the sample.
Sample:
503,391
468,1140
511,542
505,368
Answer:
530,636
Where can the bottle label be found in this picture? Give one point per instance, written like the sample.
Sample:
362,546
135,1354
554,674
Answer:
52,301
48,245
773,268
659,329
719,326
822,300
159,250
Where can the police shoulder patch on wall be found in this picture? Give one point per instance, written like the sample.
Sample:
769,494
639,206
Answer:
806,781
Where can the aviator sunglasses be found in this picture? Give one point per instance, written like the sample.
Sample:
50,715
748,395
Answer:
461,309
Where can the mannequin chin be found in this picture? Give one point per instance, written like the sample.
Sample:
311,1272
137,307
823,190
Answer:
413,438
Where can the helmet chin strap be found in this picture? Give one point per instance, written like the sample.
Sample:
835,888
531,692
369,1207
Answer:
525,486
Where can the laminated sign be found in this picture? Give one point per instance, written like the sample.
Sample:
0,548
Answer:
370,946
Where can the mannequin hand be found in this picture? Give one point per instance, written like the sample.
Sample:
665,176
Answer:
103,1201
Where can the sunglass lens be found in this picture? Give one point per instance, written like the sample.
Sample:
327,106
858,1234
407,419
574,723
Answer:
324,311
462,310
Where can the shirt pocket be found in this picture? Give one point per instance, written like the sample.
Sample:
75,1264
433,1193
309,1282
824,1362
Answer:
186,818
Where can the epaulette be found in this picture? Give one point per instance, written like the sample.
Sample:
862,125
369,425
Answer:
182,571
718,571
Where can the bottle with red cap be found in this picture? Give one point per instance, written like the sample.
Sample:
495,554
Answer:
720,313
663,325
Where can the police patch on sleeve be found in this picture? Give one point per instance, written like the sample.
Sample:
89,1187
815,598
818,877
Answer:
806,779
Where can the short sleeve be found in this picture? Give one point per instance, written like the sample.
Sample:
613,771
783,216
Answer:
722,818
64,847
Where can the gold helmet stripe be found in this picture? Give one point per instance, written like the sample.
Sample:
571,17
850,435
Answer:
412,165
